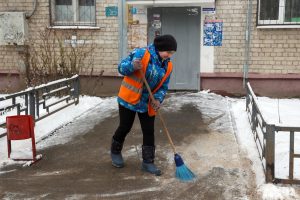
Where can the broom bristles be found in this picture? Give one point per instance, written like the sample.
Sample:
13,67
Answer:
183,173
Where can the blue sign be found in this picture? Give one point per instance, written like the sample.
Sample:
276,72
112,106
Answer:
213,33
133,11
111,11
208,10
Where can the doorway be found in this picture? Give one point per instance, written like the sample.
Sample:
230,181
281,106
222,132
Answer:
184,24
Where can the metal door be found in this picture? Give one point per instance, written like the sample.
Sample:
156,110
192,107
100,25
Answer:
184,24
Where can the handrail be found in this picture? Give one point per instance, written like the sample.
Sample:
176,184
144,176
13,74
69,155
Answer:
264,136
37,99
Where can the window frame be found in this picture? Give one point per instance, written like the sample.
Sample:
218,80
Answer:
75,22
280,23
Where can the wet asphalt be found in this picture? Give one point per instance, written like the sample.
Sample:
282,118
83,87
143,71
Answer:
81,168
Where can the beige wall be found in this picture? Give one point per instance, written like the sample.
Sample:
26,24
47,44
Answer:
106,38
230,56
273,51
9,57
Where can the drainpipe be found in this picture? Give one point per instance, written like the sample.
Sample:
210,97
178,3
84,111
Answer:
247,43
28,15
24,51
122,29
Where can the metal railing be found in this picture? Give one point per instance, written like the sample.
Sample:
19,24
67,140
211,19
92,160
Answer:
264,136
43,100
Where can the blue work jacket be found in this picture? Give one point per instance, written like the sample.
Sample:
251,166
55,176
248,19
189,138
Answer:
154,74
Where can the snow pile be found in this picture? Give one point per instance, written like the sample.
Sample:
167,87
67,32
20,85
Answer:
65,118
273,192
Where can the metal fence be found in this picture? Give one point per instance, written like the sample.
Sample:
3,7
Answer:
264,136
41,101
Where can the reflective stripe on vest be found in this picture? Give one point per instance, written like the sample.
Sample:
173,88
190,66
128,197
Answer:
132,86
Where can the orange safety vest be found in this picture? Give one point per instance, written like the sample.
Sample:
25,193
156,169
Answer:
132,85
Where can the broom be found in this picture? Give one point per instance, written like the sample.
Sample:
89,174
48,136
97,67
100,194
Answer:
183,173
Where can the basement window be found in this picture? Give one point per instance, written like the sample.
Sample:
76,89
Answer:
279,13
73,13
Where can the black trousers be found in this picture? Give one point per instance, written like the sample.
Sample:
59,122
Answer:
126,121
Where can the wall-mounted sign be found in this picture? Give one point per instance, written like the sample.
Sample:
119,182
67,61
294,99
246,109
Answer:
137,11
208,11
133,10
156,16
111,11
156,24
213,33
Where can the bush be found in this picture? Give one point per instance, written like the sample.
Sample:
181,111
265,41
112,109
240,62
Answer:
57,54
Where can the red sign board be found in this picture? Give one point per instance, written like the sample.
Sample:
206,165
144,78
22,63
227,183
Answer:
20,127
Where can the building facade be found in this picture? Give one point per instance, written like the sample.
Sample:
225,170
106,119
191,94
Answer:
221,43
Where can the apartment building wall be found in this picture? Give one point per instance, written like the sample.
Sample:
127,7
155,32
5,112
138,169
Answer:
271,50
105,37
274,61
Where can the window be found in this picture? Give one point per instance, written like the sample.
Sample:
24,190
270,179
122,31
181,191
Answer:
73,12
279,12
292,11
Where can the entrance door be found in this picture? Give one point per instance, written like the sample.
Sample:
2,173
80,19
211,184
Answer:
184,24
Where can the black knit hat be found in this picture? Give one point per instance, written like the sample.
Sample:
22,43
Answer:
165,43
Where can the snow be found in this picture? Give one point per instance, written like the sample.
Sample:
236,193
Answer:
272,192
277,111
48,126
244,135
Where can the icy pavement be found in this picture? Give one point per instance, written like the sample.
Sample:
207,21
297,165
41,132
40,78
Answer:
76,162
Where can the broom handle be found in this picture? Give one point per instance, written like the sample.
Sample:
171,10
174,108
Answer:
160,116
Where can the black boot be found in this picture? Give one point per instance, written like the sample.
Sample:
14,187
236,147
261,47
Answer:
148,160
116,156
